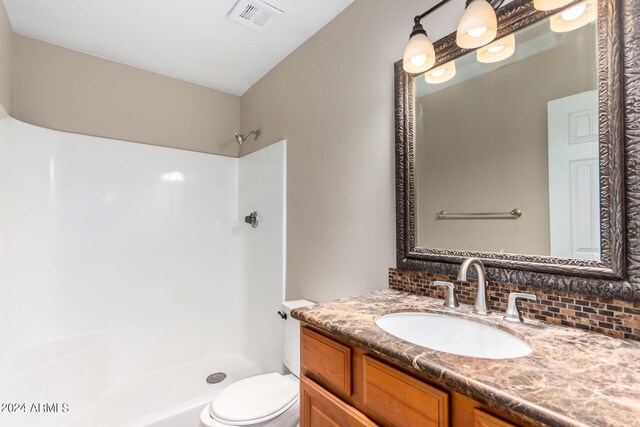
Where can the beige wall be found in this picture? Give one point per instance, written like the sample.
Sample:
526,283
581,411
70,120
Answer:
5,60
333,100
483,148
67,90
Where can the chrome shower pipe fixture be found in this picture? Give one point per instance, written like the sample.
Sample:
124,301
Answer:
252,219
240,139
477,27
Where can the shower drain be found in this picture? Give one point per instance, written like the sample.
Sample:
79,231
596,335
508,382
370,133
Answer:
216,378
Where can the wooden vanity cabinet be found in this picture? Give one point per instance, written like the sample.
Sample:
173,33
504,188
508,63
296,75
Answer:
342,386
322,408
484,419
327,361
396,398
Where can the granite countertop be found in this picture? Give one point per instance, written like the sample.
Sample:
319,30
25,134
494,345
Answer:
572,377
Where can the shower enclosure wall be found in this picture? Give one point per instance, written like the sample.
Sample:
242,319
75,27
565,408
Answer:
127,275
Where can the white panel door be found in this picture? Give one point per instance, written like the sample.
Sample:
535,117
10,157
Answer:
574,190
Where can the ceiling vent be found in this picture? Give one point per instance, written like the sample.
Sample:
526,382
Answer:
255,14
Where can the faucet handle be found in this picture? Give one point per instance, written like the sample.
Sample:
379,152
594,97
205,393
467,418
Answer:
450,299
513,313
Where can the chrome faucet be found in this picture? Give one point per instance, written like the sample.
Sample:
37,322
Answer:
450,300
481,305
513,314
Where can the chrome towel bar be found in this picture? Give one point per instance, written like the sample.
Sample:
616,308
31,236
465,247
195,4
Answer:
513,214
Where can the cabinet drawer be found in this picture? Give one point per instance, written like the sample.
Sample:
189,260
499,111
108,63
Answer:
484,419
326,361
319,408
393,398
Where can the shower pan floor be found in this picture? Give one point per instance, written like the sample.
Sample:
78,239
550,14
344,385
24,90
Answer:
169,398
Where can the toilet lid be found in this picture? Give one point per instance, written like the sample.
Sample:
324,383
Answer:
255,399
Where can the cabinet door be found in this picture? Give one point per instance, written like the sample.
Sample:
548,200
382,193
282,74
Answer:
484,419
327,362
319,408
394,398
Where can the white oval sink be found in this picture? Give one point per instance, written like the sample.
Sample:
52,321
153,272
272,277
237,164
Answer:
454,335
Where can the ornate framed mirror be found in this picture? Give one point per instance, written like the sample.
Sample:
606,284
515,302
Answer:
525,153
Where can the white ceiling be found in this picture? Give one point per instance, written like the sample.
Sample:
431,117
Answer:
190,40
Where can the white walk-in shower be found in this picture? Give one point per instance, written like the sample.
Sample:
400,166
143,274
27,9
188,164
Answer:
127,275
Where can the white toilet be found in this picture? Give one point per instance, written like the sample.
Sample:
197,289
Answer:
263,400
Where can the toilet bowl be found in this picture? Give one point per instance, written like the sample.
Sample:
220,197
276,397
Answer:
263,400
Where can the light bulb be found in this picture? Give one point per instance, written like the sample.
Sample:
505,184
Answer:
497,51
418,60
419,54
574,12
546,5
441,74
478,25
574,17
477,32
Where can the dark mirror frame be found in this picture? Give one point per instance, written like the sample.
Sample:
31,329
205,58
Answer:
617,274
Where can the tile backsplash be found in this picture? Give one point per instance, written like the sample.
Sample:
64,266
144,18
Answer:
616,318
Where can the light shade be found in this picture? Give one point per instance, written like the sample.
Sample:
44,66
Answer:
419,54
498,50
478,25
545,5
441,74
574,17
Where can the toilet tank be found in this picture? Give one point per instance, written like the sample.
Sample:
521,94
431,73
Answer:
291,336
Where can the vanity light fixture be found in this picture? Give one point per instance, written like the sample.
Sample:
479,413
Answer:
545,5
574,17
497,51
419,54
477,27
441,74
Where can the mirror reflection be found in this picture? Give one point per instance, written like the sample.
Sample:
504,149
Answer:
506,144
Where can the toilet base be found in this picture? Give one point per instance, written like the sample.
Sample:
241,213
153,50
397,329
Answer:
289,418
